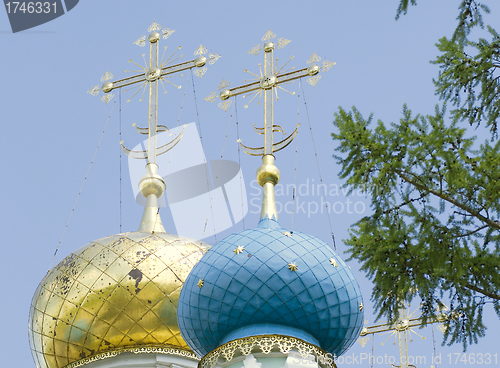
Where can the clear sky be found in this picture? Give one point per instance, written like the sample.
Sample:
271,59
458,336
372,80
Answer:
51,126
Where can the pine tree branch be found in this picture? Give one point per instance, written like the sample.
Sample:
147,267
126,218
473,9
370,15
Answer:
484,292
443,196
469,286
395,208
471,232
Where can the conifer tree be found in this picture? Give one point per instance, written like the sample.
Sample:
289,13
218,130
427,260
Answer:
434,232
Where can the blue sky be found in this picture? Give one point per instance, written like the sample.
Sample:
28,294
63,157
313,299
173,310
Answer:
51,126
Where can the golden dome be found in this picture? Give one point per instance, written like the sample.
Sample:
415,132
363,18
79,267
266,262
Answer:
116,293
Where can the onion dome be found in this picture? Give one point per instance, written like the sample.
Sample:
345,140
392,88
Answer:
116,294
270,281
120,293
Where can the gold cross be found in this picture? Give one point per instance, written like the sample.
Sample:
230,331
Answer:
267,83
153,72
402,328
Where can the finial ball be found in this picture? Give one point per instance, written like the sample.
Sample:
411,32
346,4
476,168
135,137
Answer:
268,46
268,172
200,61
153,37
313,69
152,183
224,94
107,87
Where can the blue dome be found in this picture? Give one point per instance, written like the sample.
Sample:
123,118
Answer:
248,285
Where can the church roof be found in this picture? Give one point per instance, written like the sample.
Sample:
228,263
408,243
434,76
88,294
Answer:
269,281
121,292
115,293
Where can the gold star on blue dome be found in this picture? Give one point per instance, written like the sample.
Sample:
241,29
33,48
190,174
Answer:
293,267
239,249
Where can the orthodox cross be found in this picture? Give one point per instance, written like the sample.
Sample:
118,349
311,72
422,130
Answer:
267,83
154,71
152,185
402,328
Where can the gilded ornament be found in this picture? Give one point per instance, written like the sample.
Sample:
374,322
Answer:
268,46
267,81
154,37
314,58
106,77
282,42
267,344
154,27
276,128
268,172
269,35
106,98
223,84
213,57
141,41
255,50
201,50
314,80
293,267
265,87
148,350
362,341
94,91
313,69
200,283
167,33
153,72
225,104
239,249
224,94
200,72
327,65
401,329
333,262
211,97
107,87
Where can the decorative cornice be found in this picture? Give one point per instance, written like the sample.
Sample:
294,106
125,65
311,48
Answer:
136,350
266,344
